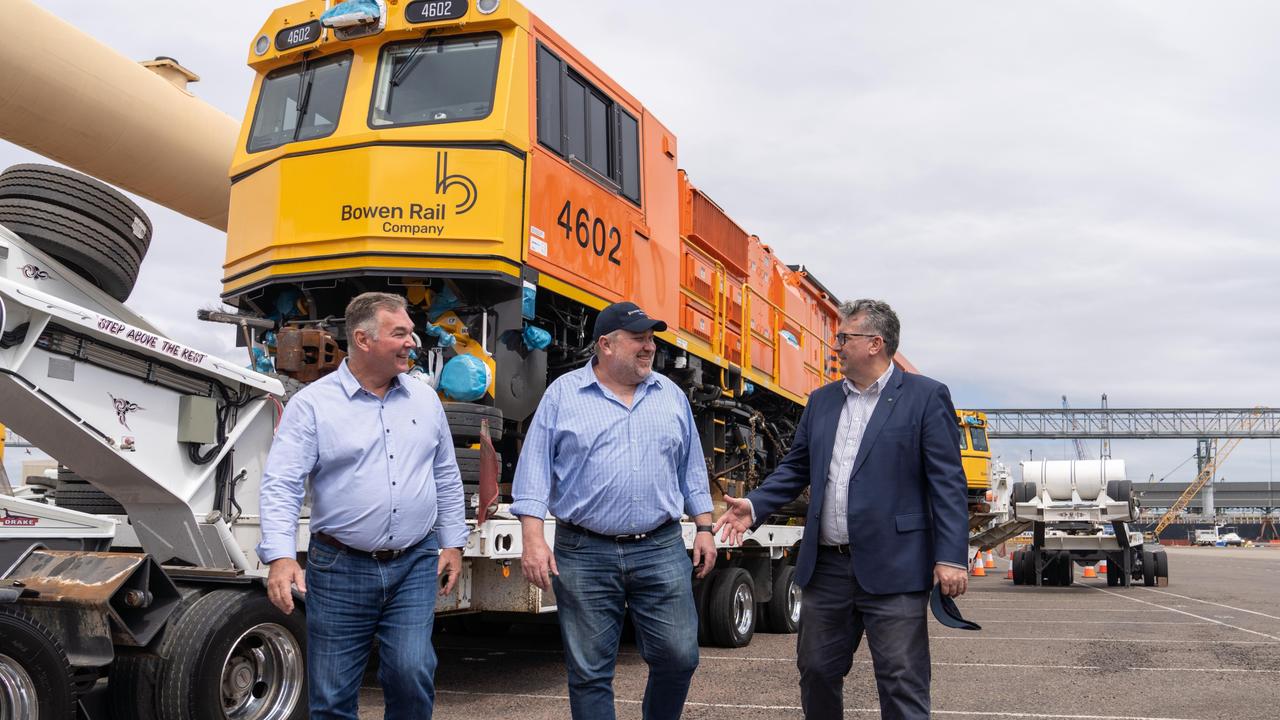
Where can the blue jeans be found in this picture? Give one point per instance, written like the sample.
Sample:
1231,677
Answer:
599,581
351,600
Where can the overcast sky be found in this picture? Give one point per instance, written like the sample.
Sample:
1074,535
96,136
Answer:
1057,197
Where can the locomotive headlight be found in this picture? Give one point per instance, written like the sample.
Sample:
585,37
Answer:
487,6
260,47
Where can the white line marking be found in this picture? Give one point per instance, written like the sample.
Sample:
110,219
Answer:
1052,609
790,660
1208,602
1184,612
796,708
1038,621
1111,640
1023,666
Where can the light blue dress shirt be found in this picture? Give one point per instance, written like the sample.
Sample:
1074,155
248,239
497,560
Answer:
382,470
617,470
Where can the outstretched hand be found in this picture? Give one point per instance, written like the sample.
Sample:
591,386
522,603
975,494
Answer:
735,521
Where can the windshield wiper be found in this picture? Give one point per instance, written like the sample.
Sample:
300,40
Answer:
305,79
410,61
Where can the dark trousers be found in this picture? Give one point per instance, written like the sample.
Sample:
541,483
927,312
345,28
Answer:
834,614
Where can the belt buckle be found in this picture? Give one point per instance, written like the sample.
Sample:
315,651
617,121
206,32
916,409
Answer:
383,555
630,538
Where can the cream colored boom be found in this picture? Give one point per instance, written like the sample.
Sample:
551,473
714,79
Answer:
74,100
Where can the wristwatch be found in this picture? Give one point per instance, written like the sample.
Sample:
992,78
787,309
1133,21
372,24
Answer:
704,528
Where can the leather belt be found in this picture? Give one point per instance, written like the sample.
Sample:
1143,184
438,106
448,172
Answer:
842,549
615,538
379,555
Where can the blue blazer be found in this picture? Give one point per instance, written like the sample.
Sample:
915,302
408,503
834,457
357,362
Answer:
907,503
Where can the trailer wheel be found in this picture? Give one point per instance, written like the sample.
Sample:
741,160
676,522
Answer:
232,654
1066,569
1015,566
782,612
1115,569
35,677
1028,565
1162,568
1148,568
732,608
132,687
464,421
701,590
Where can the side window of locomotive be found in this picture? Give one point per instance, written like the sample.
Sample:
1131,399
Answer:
583,125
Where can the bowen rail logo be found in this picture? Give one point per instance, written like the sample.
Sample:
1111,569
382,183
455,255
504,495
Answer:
422,218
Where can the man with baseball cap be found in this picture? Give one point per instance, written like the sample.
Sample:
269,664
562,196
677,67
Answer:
613,454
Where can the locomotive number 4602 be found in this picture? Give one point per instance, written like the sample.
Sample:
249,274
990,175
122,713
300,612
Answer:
590,232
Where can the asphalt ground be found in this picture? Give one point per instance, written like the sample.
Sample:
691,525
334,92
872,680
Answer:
1206,647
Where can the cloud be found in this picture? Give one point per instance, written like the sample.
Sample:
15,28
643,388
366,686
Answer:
1058,197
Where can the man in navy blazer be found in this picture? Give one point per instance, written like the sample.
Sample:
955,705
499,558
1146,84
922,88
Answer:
880,454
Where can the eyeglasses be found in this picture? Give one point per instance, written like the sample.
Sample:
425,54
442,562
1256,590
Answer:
842,338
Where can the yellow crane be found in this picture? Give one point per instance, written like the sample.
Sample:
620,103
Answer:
1215,459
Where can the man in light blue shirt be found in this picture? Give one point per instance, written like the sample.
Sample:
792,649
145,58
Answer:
613,453
387,517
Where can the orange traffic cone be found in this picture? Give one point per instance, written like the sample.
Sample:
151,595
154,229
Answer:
979,571
989,562
1089,572
1009,575
1102,567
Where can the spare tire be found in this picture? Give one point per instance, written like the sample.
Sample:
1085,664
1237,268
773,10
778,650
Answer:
464,421
83,244
82,194
75,493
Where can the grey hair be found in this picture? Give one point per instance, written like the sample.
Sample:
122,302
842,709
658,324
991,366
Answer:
877,317
362,312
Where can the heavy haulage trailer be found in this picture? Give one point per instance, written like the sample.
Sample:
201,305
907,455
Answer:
1082,512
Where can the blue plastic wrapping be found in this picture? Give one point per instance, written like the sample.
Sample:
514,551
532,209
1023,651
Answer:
443,302
536,338
464,378
351,12
528,301
286,304
262,362
786,335
442,336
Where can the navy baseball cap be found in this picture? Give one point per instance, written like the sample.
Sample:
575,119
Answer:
625,316
945,609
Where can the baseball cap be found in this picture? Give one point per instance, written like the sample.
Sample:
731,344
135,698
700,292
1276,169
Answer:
948,613
625,316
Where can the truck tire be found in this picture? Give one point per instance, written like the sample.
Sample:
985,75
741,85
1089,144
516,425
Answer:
1120,490
75,493
131,687
81,194
464,421
732,608
1016,564
84,245
233,654
35,677
1066,569
1148,568
701,590
782,612
469,465
1115,569
1162,567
